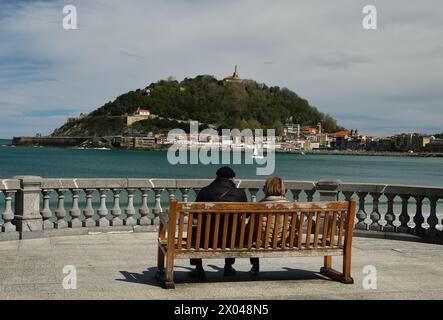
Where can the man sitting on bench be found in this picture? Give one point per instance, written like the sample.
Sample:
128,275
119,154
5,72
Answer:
222,189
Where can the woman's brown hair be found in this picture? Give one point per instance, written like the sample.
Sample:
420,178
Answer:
274,186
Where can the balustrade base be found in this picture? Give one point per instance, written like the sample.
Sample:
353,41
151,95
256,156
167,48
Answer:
61,224
374,227
89,223
144,221
116,222
388,235
130,222
75,224
9,236
8,227
103,222
48,225
29,224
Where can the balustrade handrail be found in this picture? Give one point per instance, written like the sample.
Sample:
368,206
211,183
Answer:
28,204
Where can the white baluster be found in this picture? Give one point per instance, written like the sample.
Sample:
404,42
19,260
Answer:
439,225
75,210
144,210
8,214
60,212
46,212
88,212
426,214
130,211
253,192
185,194
102,211
116,211
171,192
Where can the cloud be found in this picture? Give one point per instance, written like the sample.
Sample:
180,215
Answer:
382,81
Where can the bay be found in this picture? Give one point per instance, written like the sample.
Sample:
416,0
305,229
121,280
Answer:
75,163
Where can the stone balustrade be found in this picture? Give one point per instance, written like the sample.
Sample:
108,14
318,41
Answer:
35,207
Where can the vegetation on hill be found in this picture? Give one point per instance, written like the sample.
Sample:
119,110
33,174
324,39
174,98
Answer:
246,104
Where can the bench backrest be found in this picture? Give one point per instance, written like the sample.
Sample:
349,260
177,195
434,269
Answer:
260,226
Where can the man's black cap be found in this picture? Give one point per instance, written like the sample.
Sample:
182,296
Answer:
225,172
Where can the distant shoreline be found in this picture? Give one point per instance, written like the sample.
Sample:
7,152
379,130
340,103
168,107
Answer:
313,152
372,153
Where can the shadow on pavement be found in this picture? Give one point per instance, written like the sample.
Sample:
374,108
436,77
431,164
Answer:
181,277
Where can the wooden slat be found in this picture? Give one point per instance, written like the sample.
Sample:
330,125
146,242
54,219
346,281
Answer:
292,231
285,227
334,223
181,222
259,254
217,226
325,229
189,235
300,230
242,231
317,228
340,229
234,230
225,231
199,230
267,230
230,208
276,231
259,231
251,230
308,230
207,230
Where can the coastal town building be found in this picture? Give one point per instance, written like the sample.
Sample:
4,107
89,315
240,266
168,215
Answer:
291,129
435,145
411,141
134,141
142,112
139,115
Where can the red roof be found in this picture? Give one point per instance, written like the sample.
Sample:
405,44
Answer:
340,134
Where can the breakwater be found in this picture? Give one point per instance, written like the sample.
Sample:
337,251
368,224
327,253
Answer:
49,141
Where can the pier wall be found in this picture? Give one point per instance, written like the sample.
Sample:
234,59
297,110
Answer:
48,141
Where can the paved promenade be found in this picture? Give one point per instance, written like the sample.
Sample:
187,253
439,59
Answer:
122,266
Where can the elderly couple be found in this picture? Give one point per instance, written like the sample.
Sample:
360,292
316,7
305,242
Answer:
223,189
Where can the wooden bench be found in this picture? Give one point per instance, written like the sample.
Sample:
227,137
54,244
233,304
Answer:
240,230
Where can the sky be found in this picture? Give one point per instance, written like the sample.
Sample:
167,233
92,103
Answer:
382,82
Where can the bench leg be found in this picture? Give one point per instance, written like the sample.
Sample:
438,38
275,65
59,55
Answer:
344,277
160,264
169,277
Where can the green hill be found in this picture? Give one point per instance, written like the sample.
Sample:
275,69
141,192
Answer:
245,104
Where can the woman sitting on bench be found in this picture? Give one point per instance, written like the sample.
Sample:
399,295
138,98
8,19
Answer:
275,191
